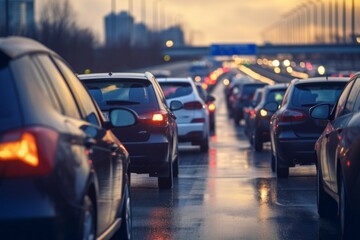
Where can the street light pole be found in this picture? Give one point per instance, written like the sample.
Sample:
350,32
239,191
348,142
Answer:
344,21
336,21
353,40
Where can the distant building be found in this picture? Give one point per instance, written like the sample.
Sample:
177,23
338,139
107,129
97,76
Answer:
175,34
118,28
20,17
141,36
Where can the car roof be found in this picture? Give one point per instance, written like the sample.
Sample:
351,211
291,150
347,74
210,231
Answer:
14,47
177,79
320,80
116,75
277,86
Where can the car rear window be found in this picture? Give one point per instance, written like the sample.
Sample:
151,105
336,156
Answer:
127,92
249,90
176,89
309,94
10,110
276,95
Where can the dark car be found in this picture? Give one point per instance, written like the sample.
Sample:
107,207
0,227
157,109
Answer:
338,153
153,141
293,132
209,101
63,174
249,112
243,98
259,120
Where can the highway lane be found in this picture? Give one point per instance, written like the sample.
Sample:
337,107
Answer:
229,193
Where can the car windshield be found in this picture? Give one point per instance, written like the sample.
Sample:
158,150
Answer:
176,89
311,94
249,89
121,92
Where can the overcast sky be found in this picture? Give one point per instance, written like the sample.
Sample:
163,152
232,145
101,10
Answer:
204,21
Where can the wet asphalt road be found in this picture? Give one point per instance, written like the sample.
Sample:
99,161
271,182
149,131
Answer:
229,193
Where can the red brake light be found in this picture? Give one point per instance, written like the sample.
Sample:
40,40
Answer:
155,118
292,116
28,152
193,105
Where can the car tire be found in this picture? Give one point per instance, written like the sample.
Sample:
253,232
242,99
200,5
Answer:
326,206
176,167
281,172
167,182
125,231
347,221
272,161
257,142
204,146
88,223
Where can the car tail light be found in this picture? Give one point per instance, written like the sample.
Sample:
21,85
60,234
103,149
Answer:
193,105
156,118
252,113
212,107
28,152
292,116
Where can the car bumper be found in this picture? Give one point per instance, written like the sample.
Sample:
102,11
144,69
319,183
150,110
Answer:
193,132
295,151
150,157
32,209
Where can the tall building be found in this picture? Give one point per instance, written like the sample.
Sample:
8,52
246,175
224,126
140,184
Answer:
118,28
17,17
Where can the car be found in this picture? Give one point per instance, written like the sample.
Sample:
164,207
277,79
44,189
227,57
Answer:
153,141
337,159
259,120
209,101
193,118
242,98
249,112
199,70
63,174
293,133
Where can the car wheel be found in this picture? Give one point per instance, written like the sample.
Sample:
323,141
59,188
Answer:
125,231
272,161
166,182
346,221
204,146
326,206
257,142
176,167
88,220
281,172
237,119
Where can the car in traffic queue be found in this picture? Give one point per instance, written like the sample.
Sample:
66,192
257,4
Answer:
193,118
249,112
63,174
210,104
153,141
293,132
259,119
337,159
243,97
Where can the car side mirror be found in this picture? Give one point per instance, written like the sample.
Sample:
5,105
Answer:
176,105
271,106
210,98
320,111
120,117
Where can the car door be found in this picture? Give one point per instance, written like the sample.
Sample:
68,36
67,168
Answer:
86,134
334,129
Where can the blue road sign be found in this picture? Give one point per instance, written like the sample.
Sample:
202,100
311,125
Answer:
232,49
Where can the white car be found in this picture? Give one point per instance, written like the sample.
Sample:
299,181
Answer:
193,118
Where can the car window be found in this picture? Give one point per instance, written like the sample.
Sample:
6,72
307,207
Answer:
357,102
61,88
310,94
275,95
249,90
80,93
10,110
349,106
176,89
342,100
